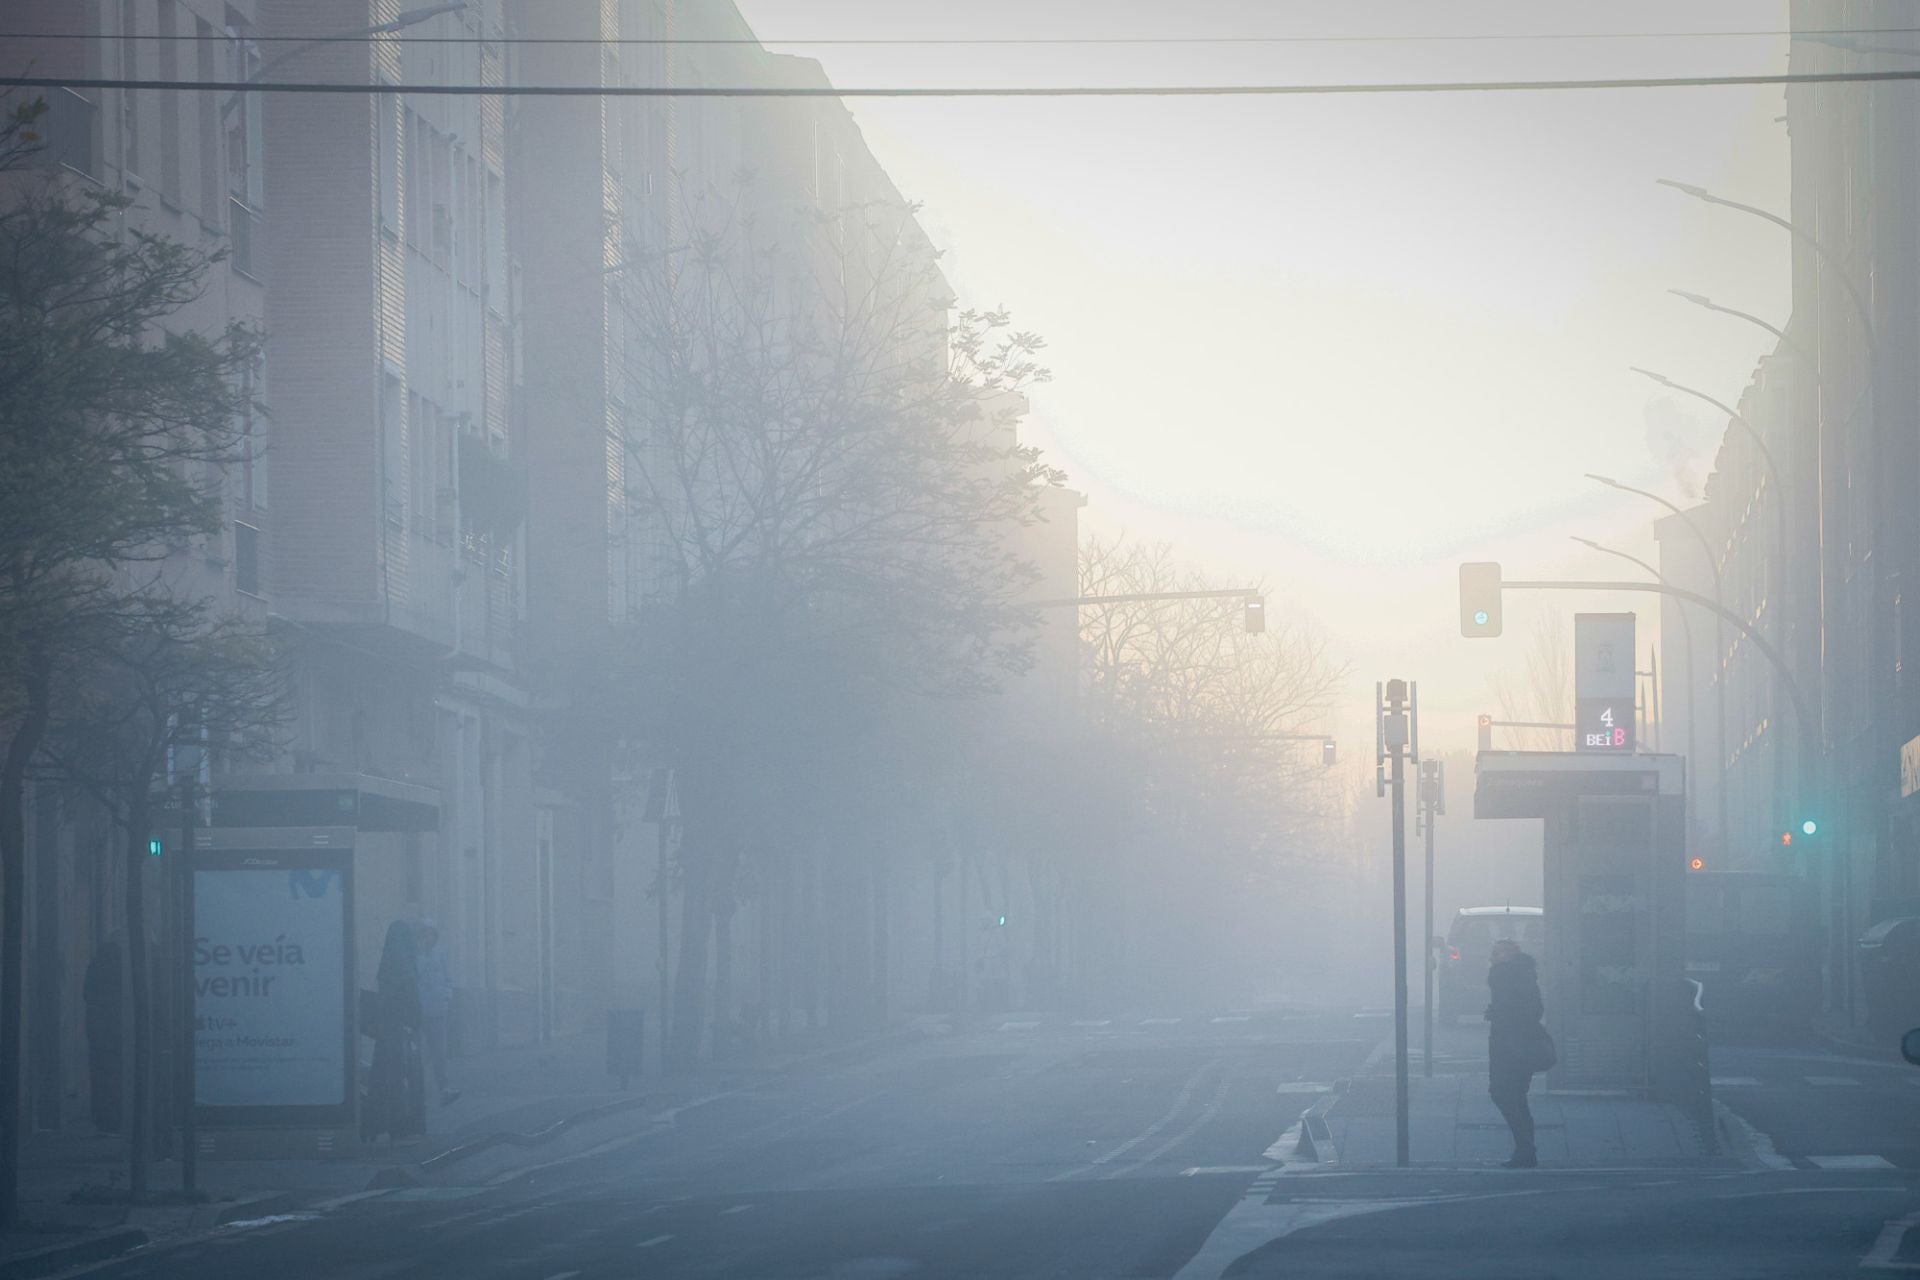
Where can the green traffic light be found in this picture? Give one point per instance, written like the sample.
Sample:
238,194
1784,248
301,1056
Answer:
153,848
1809,827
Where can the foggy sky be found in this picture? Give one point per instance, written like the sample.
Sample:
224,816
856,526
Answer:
1344,343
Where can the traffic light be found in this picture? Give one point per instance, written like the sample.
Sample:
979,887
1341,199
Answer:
1480,600
1256,614
1696,864
1328,753
1809,827
1786,839
154,847
1486,733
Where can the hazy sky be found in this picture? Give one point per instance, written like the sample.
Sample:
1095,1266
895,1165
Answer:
1341,344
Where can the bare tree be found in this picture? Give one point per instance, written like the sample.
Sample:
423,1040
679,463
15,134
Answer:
167,678
106,422
1205,722
821,456
1541,692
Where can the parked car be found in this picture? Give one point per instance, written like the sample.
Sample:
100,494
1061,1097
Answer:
1460,977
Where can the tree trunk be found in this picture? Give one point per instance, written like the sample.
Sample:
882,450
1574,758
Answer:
28,732
726,1026
696,926
140,999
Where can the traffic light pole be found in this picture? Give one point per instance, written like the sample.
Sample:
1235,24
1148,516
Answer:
1432,804
1396,736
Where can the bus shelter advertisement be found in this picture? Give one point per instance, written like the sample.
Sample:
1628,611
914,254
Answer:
270,986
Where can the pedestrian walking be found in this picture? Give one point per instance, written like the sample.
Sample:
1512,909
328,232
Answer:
436,1003
1518,1045
396,1095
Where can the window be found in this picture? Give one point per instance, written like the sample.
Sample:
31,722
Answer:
246,558
130,99
72,127
393,450
169,103
244,176
206,51
387,137
253,462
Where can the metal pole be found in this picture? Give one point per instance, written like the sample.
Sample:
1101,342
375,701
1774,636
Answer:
186,1086
1396,731
666,952
1430,791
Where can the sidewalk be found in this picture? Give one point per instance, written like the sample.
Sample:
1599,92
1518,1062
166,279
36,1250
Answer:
1453,1123
517,1106
523,1096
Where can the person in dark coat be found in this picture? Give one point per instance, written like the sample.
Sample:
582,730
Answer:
396,1086
1514,1039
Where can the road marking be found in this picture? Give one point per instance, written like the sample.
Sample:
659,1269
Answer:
1173,1113
1887,1247
1200,1170
1207,1113
648,1244
1236,1017
1158,1022
1018,1026
1831,1082
1850,1162
739,1208
1731,1082
1302,1086
1093,1022
563,1275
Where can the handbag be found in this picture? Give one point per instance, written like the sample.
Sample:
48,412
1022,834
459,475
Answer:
1537,1051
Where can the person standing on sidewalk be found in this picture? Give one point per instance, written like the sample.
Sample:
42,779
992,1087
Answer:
1518,1045
436,1002
396,1098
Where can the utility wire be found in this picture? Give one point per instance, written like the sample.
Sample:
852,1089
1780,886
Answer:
987,40
967,91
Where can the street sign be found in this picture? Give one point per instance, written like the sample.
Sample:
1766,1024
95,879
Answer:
1603,682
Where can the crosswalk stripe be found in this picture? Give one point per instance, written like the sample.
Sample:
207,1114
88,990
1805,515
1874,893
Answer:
1093,1022
1158,1022
1729,1082
1850,1162
1237,1017
1831,1082
1018,1026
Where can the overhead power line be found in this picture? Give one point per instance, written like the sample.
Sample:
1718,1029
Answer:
1417,38
962,91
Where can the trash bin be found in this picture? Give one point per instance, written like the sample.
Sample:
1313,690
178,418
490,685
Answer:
626,1040
1889,955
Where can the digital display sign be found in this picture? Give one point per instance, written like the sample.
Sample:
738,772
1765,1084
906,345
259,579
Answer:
1604,724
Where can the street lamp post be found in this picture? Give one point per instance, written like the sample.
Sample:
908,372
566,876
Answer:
1719,644
1780,502
1686,632
1841,887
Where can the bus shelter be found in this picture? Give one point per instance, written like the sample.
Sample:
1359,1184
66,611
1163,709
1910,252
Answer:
1614,874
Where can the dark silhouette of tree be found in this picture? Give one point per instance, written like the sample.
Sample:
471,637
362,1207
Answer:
824,478
107,420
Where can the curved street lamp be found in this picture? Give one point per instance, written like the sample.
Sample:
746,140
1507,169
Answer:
1719,643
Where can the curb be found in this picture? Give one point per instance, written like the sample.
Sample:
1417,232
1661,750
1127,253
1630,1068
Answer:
56,1258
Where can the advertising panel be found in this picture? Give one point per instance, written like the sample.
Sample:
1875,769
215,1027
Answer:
272,982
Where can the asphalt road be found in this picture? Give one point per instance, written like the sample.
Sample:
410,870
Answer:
1050,1147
